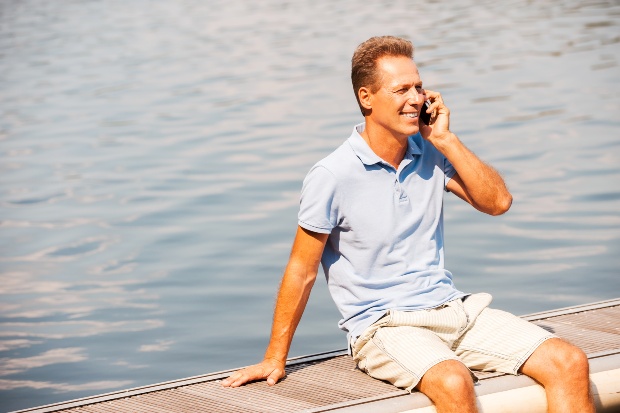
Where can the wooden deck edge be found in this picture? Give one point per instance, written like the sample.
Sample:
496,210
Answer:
571,310
119,394
135,391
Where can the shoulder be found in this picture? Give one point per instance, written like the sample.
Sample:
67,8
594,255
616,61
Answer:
338,163
344,154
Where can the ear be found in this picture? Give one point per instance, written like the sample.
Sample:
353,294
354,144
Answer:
365,96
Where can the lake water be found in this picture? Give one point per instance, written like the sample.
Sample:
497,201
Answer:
152,154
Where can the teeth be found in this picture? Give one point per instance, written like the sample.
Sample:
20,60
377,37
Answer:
410,115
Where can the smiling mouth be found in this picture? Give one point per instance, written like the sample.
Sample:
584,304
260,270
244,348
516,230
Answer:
410,115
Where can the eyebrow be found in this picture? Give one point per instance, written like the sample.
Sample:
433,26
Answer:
407,85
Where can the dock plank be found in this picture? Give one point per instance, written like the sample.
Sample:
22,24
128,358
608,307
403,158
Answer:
329,382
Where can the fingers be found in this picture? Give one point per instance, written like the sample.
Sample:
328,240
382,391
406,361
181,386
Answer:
235,380
436,101
253,373
243,376
439,125
275,375
432,95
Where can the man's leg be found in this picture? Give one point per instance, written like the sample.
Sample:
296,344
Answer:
450,387
563,370
500,341
395,350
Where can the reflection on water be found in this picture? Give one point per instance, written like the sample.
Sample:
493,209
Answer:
153,152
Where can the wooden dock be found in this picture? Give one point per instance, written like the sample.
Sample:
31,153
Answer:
329,382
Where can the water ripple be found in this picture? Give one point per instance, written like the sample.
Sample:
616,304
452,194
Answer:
153,154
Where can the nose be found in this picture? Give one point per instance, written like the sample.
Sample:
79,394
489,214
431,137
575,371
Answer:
415,97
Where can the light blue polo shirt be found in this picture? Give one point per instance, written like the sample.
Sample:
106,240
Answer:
385,248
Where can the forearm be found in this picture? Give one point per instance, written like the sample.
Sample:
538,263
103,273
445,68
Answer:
483,187
292,298
475,182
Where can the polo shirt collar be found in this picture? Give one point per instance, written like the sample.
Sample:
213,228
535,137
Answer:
367,156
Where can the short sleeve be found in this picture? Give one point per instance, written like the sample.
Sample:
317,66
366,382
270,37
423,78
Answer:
318,210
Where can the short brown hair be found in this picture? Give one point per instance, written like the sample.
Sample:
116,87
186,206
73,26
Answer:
364,60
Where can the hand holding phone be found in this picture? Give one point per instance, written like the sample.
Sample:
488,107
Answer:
425,117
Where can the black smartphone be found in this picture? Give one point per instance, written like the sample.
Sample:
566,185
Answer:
425,117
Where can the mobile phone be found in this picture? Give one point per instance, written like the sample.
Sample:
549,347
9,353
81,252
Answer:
425,117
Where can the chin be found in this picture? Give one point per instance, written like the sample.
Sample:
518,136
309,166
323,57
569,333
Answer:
411,127
412,130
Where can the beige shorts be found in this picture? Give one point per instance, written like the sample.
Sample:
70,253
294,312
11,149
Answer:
403,345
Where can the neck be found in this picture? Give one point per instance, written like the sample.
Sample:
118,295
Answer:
386,145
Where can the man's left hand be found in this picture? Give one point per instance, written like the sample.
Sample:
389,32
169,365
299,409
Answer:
438,132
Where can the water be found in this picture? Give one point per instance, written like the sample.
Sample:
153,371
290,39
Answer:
153,153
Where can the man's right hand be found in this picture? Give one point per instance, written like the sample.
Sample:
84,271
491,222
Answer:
269,369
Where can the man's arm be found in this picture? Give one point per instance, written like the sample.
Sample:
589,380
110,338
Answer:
295,287
475,181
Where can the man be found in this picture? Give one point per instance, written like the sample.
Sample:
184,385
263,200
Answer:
371,213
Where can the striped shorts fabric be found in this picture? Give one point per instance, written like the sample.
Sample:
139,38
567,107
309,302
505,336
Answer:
403,345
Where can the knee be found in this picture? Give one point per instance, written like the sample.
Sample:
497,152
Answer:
457,382
569,360
450,387
577,361
558,362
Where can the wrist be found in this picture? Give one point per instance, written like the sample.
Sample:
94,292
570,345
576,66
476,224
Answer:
445,141
276,357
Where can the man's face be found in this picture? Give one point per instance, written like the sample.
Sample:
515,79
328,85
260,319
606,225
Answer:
395,105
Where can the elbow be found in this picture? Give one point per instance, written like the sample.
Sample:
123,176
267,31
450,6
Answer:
502,205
